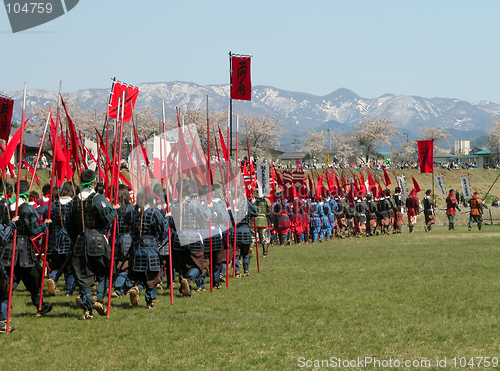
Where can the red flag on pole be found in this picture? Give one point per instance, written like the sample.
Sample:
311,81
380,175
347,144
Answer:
241,85
387,180
225,152
11,146
117,91
362,185
60,163
426,155
415,184
6,109
75,144
371,185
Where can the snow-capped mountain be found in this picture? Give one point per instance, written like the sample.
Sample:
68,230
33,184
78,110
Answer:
298,111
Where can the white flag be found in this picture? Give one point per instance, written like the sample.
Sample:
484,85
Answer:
262,172
440,184
402,185
464,180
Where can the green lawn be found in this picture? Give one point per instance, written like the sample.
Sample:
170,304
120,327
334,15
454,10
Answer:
419,296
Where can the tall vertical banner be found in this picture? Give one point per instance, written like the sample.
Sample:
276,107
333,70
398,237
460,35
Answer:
117,91
92,148
299,183
6,109
440,185
464,180
426,156
402,185
241,84
327,158
263,180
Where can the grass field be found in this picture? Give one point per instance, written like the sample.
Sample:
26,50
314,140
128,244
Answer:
409,297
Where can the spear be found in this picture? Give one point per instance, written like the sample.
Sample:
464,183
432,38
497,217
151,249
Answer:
14,239
48,214
254,223
210,181
169,231
117,184
227,202
235,201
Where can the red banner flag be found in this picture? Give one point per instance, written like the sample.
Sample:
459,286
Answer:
415,184
241,85
225,151
60,163
299,183
362,185
117,91
74,138
6,109
426,155
387,180
11,146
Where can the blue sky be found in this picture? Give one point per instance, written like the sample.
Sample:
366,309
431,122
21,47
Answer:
425,48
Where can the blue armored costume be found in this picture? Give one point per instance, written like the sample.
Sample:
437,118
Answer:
147,230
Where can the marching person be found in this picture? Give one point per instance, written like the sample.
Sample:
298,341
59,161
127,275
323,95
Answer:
220,218
413,209
397,199
281,221
262,221
451,207
147,229
190,216
5,233
89,220
429,214
243,236
476,211
59,243
26,266
123,242
161,204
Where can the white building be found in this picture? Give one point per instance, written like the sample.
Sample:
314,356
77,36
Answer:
462,147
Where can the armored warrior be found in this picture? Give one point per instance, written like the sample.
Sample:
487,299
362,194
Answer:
451,207
122,243
429,206
413,209
190,216
147,230
59,243
242,216
5,233
476,211
89,221
26,265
